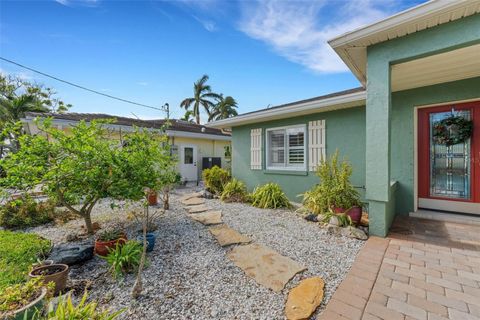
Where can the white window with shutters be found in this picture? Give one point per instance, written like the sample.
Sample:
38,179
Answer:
256,149
285,148
316,143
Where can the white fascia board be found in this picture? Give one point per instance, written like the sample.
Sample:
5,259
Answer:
170,133
356,98
412,15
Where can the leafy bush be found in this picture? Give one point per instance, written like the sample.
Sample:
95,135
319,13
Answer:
17,253
124,258
334,189
269,195
234,191
19,295
215,179
66,310
343,219
26,212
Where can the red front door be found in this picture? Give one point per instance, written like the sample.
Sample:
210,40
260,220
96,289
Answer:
449,176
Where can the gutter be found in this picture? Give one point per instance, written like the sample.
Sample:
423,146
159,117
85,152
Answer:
328,104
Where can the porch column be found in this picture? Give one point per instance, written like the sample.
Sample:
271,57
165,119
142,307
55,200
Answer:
378,113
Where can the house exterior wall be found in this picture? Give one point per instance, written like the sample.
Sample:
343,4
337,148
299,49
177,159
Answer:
345,131
403,110
379,114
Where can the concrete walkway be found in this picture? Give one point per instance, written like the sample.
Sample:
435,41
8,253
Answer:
425,270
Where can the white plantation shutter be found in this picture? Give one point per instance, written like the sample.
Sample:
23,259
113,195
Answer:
316,143
256,149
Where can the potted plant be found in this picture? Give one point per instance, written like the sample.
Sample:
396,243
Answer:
108,240
145,216
22,301
41,263
152,197
55,273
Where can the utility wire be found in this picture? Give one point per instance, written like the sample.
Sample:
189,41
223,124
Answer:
79,86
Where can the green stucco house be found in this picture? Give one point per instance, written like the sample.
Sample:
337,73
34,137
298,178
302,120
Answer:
416,68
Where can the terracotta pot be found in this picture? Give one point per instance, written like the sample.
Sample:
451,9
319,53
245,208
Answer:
152,198
59,277
355,213
102,247
338,210
27,312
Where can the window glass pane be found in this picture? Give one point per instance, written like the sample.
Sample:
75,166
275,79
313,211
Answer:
188,156
295,137
276,143
295,156
296,143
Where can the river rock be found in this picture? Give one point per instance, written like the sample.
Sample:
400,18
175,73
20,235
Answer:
353,232
71,254
304,299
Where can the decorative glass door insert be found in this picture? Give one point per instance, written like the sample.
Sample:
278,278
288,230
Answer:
450,166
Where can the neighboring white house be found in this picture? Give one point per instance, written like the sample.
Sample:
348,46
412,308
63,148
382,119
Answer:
197,146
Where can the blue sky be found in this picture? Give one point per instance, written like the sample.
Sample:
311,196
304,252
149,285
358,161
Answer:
260,52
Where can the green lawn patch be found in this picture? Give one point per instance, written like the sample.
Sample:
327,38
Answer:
17,253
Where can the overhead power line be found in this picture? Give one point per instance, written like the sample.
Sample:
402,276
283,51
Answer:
79,86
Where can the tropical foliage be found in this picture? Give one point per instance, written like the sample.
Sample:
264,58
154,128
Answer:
215,179
64,309
19,295
202,97
234,191
269,195
18,251
224,108
26,212
124,258
334,189
17,97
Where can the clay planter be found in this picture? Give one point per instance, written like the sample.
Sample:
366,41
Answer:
338,210
355,213
102,248
152,198
27,312
56,273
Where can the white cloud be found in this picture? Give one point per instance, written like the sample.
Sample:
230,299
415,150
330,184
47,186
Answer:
142,83
299,30
209,25
86,3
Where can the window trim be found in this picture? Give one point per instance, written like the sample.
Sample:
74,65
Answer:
287,167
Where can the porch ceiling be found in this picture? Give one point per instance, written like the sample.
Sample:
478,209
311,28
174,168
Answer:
444,67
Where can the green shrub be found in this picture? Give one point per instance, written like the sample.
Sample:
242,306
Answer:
215,179
26,212
17,253
234,191
66,310
334,189
124,258
269,195
19,295
343,219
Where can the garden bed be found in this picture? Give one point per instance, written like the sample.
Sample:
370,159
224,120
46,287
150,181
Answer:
190,276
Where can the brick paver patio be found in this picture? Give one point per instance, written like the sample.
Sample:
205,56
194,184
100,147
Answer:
425,270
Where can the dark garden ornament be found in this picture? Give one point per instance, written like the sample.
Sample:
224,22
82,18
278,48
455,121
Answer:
452,130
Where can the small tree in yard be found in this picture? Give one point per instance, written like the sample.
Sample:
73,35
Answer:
74,168
146,163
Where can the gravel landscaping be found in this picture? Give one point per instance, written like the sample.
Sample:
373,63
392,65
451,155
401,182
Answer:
189,275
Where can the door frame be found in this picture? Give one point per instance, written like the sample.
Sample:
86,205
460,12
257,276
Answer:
182,159
442,204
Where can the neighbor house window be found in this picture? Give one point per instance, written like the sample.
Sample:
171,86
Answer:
286,148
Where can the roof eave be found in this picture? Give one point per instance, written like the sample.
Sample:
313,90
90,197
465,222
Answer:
334,103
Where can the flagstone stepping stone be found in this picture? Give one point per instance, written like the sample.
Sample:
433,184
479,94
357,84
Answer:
227,236
304,299
193,201
191,195
197,209
208,218
264,265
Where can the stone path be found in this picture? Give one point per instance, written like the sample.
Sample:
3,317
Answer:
264,265
423,270
227,236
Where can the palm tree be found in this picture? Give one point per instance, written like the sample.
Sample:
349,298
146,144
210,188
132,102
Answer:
202,93
14,108
225,108
187,116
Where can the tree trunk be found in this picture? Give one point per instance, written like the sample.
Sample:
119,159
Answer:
88,222
166,199
138,286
